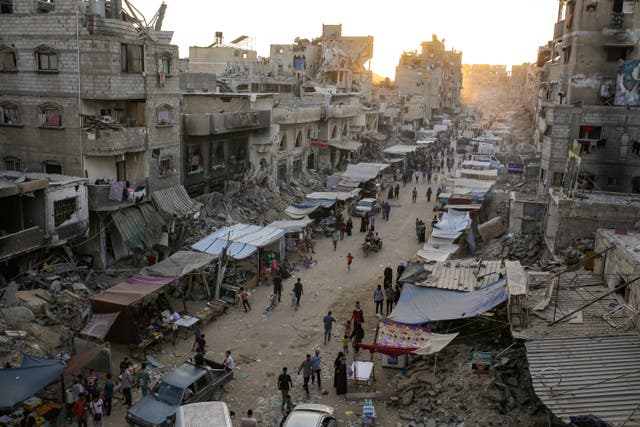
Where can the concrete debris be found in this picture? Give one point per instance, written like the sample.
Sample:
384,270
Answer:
577,249
527,248
492,228
18,317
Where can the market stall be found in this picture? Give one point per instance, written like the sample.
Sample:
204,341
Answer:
296,232
21,384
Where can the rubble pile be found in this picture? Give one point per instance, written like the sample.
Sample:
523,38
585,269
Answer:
573,253
442,390
526,248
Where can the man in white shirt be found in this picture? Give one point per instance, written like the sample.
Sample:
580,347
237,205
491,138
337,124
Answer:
229,365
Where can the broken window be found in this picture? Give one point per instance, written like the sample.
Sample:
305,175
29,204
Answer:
557,179
299,140
283,142
165,64
45,5
612,180
164,115
50,116
344,130
131,58
7,58
135,113
166,166
6,6
9,114
12,163
195,159
47,59
63,210
217,156
334,132
51,166
567,54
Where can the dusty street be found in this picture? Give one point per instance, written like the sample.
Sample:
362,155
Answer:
263,344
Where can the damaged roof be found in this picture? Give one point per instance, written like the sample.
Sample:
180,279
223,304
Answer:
462,275
597,376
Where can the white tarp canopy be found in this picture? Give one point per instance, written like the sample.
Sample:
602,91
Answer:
475,184
400,149
346,145
425,141
476,164
380,166
440,128
485,175
334,195
291,226
360,172
441,253
298,212
454,221
242,240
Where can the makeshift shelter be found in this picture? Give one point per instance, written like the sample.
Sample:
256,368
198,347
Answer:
360,172
242,240
175,202
122,298
179,264
291,226
395,339
35,373
421,305
99,325
334,195
308,207
400,149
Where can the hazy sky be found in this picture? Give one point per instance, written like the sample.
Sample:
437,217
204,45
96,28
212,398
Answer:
486,31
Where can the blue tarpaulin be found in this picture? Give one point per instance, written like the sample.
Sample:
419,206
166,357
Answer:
242,240
421,304
21,383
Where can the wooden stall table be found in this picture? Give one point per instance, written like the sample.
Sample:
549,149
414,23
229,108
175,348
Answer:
154,340
186,324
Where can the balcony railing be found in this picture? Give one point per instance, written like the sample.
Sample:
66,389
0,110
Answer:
200,124
100,200
101,142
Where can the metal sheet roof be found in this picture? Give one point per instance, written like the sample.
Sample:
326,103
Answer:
346,145
140,226
588,376
179,264
463,275
53,178
360,172
245,240
174,201
291,226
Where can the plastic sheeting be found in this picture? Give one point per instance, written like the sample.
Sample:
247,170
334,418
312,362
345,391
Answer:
179,264
21,383
334,195
346,145
400,149
360,172
291,226
307,207
454,221
421,305
99,325
242,240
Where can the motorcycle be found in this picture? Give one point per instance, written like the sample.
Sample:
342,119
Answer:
371,246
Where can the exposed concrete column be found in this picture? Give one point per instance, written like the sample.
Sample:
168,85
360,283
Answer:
116,9
92,10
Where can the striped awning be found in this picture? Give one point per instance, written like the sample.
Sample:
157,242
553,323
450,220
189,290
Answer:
140,226
175,202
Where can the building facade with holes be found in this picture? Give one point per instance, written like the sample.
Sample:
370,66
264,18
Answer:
587,117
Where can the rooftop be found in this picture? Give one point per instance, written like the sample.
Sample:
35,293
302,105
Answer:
14,177
597,197
630,242
462,275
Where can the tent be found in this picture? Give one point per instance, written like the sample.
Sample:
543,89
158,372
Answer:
178,264
395,339
361,172
421,305
291,226
400,150
242,240
334,195
307,207
120,299
21,383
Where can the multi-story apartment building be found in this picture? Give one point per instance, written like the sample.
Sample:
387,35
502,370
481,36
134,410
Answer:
434,74
484,83
588,120
86,92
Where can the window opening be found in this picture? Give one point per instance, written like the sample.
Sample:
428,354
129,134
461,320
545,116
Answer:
9,114
131,58
50,116
53,167
12,163
47,59
63,210
7,58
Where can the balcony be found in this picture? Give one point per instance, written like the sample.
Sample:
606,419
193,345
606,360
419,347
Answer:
299,114
558,30
341,111
220,123
99,197
20,242
111,142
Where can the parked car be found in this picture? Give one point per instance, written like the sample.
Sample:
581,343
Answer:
366,205
202,414
311,415
188,383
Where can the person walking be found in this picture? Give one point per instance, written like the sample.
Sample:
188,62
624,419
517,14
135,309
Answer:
388,276
277,286
97,411
414,195
284,385
201,345
345,343
343,229
417,174
316,365
387,210
336,365
335,238
390,192
357,315
306,367
390,295
372,221
249,421
396,191
125,384
357,336
142,379
349,226
429,192
349,261
244,295
297,291
80,410
229,364
108,395
341,380
328,322
378,298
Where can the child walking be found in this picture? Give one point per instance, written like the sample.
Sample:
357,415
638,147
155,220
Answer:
349,261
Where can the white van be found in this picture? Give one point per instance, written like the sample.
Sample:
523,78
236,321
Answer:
203,414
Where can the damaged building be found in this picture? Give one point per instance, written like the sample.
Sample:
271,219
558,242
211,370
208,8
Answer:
428,81
588,123
88,90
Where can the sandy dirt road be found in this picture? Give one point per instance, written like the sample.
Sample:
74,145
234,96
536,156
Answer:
263,344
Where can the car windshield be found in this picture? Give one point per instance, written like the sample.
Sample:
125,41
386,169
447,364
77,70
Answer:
365,203
167,393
